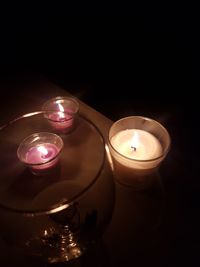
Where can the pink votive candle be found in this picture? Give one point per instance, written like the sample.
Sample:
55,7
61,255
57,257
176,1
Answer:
61,112
40,151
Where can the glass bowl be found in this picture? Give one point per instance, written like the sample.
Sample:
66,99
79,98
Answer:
58,215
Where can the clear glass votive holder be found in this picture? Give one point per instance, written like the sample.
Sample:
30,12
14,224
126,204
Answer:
137,146
61,113
40,152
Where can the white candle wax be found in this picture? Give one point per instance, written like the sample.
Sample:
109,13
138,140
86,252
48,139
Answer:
137,144
136,153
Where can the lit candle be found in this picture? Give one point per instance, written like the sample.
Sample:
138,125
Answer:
137,152
137,144
63,119
42,157
60,112
40,151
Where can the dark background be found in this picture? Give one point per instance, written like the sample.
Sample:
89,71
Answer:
121,60
128,56
140,60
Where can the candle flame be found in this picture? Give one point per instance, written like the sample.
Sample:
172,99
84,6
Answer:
61,109
43,150
134,141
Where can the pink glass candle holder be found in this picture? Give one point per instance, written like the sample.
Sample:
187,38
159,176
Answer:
40,152
61,113
137,145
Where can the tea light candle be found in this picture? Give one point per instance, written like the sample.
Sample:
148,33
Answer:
137,146
60,112
40,151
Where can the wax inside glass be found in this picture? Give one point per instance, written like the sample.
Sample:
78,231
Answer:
137,145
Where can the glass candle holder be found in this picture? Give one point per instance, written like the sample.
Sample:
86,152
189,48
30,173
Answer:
61,113
137,145
40,151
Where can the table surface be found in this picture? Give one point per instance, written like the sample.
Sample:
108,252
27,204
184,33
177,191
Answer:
156,227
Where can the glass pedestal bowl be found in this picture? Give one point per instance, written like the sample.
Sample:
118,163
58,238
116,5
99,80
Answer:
57,215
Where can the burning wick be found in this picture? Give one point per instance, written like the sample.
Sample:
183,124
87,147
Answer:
133,147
